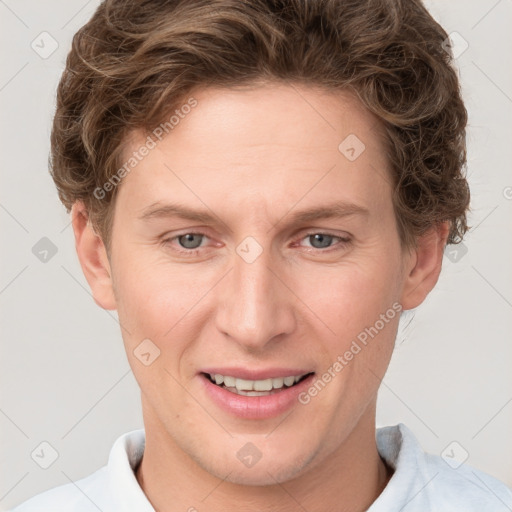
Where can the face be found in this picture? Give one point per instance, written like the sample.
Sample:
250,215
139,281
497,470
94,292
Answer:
257,242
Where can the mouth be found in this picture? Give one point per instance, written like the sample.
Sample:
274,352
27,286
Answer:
255,394
255,388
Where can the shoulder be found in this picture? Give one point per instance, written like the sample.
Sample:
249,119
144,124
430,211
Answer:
467,485
423,481
112,487
81,496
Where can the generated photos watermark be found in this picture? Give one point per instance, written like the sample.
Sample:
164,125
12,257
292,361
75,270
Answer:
151,142
357,345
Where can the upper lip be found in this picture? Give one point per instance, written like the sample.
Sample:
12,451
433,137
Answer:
262,374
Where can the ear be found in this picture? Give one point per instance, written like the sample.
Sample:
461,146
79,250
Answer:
93,258
424,265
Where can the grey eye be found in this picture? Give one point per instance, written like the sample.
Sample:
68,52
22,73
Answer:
190,240
320,240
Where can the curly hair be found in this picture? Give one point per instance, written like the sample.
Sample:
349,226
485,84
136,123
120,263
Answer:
135,61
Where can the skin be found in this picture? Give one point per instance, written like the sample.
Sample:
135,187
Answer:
254,157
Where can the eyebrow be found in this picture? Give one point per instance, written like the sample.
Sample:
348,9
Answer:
334,210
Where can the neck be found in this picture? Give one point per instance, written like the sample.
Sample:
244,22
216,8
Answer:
349,479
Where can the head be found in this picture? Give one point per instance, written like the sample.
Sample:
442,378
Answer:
318,153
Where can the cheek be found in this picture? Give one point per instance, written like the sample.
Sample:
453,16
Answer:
150,298
160,301
154,304
157,300
351,296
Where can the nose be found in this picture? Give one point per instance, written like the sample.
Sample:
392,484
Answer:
254,307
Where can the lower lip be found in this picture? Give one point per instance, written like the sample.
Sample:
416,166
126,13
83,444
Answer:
255,407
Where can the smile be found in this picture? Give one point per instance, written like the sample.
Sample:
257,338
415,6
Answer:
261,387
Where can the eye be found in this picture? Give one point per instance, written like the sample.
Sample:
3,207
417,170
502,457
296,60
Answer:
190,240
188,244
320,241
191,243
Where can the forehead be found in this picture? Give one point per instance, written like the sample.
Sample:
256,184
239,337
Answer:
276,114
261,145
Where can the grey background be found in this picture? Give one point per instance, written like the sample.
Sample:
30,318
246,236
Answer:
64,375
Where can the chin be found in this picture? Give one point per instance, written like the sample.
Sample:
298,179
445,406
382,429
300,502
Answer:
268,470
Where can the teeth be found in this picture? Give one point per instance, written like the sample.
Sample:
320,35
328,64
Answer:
252,393
229,382
277,383
289,381
262,385
246,385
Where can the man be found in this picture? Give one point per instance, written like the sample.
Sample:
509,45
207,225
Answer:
260,189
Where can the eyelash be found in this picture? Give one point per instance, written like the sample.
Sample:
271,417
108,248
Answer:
343,242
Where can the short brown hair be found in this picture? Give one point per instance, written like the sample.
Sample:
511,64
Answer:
135,61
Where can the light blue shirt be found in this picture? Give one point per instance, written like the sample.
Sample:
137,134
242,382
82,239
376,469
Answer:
421,482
